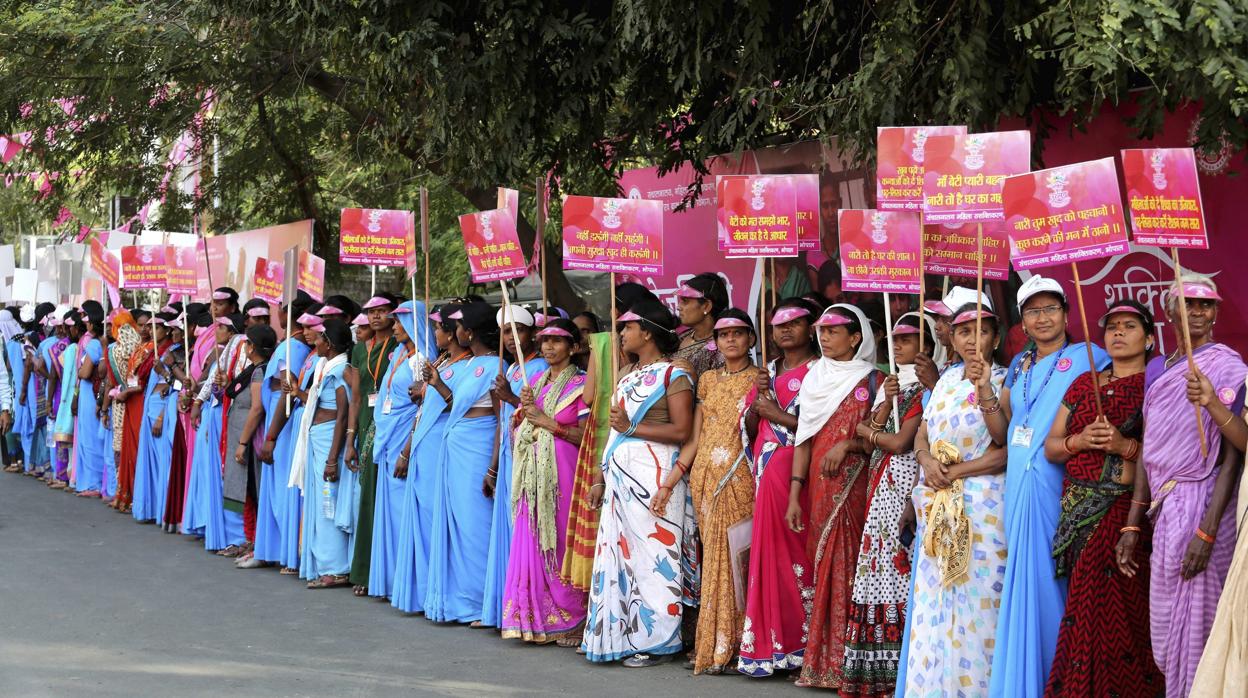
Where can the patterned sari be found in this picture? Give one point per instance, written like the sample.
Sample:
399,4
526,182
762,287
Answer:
582,530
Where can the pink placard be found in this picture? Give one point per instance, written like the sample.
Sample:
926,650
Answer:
492,245
950,249
375,236
756,215
312,275
181,269
1064,214
267,283
105,263
613,235
879,250
807,189
1163,196
900,154
143,266
963,174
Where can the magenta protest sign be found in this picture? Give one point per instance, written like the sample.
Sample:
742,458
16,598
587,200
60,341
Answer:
1163,196
181,267
879,250
616,235
806,187
900,155
952,249
143,266
375,236
963,175
492,245
756,215
268,281
1064,214
311,278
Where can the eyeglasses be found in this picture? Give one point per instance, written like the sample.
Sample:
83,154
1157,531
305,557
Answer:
1047,311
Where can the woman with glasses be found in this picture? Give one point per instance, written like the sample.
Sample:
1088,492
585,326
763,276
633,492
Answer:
1034,596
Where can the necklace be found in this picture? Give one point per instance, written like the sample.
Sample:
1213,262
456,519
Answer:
725,372
784,364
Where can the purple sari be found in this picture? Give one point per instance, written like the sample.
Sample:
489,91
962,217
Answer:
1181,484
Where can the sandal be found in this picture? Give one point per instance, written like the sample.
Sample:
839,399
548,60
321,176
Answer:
89,494
359,590
570,641
642,661
329,582
230,551
289,571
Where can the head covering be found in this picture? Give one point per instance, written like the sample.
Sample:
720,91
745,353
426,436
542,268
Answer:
1123,308
1035,285
830,381
378,302
971,315
328,310
360,320
725,322
554,331
937,308
27,313
225,293
308,320
1200,291
959,296
8,326
411,316
519,313
122,318
788,313
234,321
687,291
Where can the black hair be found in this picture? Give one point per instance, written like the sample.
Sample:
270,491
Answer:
914,321
299,306
567,326
395,301
810,307
263,339
43,310
237,323
479,318
339,335
446,310
472,298
829,272
594,322
817,299
738,314
712,286
197,314
254,303
140,313
233,299
629,294
659,322
874,310
348,307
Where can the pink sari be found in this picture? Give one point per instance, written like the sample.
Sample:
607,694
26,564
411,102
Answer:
781,581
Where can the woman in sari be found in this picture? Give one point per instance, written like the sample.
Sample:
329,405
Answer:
89,444
722,487
960,542
206,354
51,352
1034,597
1193,496
127,356
468,457
635,602
538,606
393,417
780,590
877,615
417,465
154,444
25,394
189,331
1107,600
244,435
507,388
835,396
317,465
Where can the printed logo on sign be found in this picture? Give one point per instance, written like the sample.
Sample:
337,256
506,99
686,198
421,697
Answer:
611,214
757,188
974,152
878,235
860,394
1226,395
1157,160
920,145
1063,364
795,385
487,232
1058,196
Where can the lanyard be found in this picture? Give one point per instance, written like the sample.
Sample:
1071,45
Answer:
1028,401
375,371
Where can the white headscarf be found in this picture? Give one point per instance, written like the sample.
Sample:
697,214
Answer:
829,381
8,326
906,375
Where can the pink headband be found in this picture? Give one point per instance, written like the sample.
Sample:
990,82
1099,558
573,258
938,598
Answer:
221,296
224,322
168,309
360,320
832,320
1119,309
687,291
309,320
158,321
402,310
900,329
1201,291
937,308
54,321
457,315
555,332
435,315
258,312
329,310
377,302
788,314
539,319
629,316
969,315
726,322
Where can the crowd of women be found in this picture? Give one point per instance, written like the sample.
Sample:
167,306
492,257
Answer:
1061,523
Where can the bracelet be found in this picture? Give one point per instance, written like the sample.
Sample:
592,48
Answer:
1134,452
795,478
922,450
492,472
874,439
1129,529
1205,536
1229,417
350,431
683,468
875,425
1066,445
403,457
598,484
996,407
1143,504
664,487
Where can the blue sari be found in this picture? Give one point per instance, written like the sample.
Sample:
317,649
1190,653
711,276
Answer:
155,453
462,514
24,413
88,431
284,453
328,518
274,498
503,520
1033,600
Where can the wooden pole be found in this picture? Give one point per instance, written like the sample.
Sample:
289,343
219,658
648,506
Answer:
1186,341
922,291
615,340
1087,340
540,237
515,335
979,284
762,310
892,360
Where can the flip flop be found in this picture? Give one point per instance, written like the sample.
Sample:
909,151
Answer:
289,571
359,590
328,582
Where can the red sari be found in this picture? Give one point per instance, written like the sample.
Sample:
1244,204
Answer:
140,368
838,511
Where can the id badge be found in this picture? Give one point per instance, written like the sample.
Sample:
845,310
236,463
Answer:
177,385
385,406
372,399
1022,437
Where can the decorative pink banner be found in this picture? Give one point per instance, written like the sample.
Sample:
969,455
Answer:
492,245
375,236
807,189
613,235
181,270
1064,214
267,282
963,174
900,154
756,215
312,275
143,266
950,249
1163,196
105,263
510,200
879,250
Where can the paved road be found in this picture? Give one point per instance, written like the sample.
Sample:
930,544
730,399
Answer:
92,603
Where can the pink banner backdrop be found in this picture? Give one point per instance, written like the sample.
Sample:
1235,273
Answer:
1163,196
951,249
807,190
181,270
879,250
963,174
756,215
375,236
143,266
900,155
268,280
613,235
312,275
233,257
1064,214
492,245
105,263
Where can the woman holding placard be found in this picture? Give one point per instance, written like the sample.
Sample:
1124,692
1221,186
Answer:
773,636
1034,597
1094,546
635,600
960,547
835,396
877,615
1193,498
